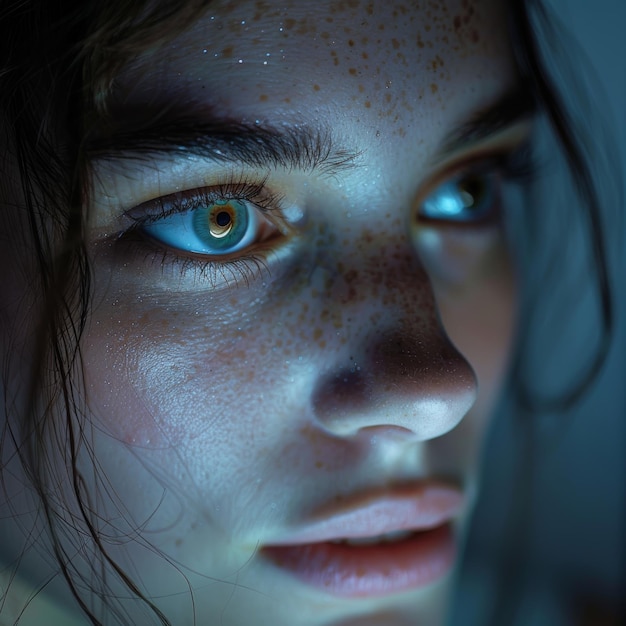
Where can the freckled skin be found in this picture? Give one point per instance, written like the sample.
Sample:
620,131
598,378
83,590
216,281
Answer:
225,415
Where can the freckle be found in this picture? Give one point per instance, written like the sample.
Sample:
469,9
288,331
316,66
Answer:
316,87
434,88
330,20
351,42
361,88
352,71
395,43
387,97
228,52
368,104
287,100
381,27
325,35
263,97
364,55
457,22
475,36
305,28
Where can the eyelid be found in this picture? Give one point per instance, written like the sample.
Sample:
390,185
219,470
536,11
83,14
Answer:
516,165
486,160
273,232
121,192
253,191
508,139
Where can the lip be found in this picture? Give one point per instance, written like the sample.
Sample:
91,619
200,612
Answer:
312,556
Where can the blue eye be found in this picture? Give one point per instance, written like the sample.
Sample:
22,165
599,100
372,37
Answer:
466,198
216,228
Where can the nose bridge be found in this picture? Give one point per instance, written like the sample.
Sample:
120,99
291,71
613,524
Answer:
395,367
375,281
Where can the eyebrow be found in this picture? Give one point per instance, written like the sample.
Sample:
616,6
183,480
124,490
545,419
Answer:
220,139
512,107
298,146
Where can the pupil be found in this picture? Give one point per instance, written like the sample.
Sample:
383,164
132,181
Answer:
222,219
472,191
222,224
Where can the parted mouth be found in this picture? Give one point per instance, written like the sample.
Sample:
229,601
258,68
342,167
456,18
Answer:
374,544
385,515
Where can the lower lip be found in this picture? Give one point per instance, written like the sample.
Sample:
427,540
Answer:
370,571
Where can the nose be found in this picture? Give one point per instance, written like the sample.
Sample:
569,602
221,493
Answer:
396,370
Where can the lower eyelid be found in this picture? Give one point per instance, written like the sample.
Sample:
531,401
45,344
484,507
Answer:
133,254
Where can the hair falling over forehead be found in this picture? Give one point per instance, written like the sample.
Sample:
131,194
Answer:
48,93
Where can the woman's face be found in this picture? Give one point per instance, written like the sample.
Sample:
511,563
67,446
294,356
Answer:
303,306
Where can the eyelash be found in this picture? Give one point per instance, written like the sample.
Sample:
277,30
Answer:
243,189
517,167
244,268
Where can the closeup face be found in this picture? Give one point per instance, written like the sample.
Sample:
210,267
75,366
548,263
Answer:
303,305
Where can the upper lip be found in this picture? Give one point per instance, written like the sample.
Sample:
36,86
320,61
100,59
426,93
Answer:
418,506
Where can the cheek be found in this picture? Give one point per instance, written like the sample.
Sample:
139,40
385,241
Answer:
164,382
482,327
480,319
194,372
476,292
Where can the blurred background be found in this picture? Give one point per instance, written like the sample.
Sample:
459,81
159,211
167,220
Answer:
574,542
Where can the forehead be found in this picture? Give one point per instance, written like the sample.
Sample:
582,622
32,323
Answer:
371,54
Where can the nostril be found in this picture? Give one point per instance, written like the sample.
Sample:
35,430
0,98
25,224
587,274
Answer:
426,391
343,393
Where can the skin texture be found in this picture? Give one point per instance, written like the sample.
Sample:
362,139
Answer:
364,349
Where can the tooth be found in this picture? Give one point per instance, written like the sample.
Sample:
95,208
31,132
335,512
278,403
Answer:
363,541
398,535
392,537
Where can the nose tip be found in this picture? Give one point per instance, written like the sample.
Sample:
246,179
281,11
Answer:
424,390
